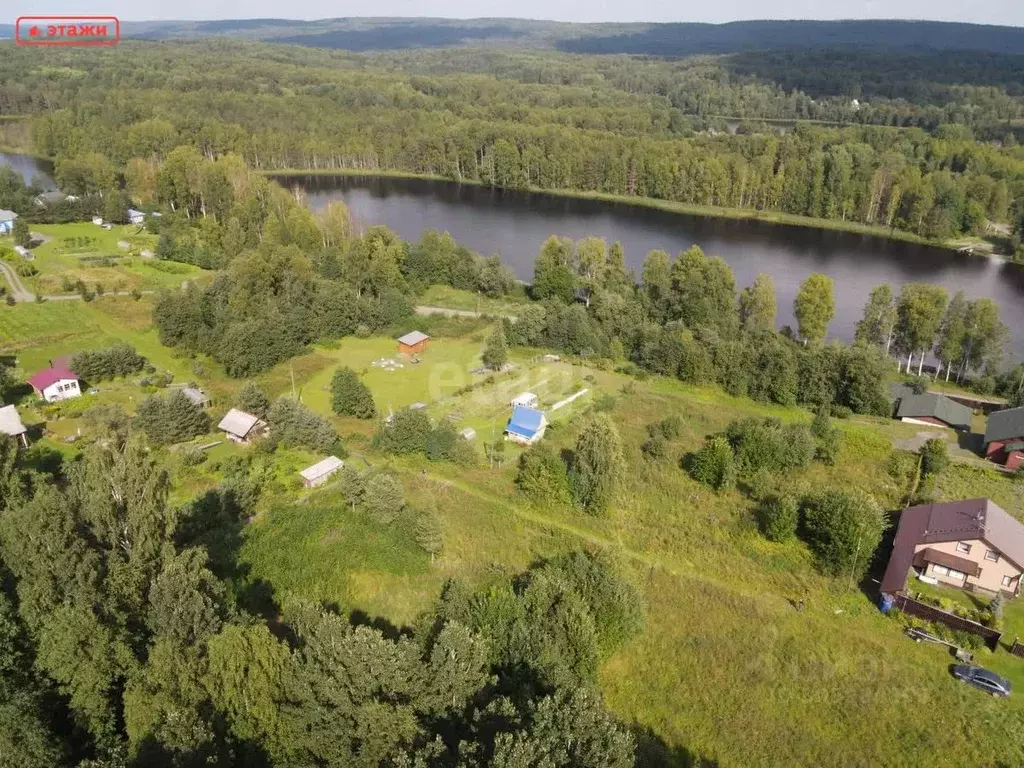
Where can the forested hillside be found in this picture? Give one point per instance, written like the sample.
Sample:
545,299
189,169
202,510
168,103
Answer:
616,126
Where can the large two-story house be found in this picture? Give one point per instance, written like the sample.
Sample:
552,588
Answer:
972,544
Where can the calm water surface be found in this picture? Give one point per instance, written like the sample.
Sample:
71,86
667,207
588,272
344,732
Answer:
514,224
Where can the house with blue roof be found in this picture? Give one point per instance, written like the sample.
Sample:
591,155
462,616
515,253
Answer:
526,425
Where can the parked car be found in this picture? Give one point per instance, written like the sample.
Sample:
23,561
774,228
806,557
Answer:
987,681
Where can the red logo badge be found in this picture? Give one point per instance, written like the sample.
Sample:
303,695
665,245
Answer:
67,30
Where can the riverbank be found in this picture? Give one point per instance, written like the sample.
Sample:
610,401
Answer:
671,206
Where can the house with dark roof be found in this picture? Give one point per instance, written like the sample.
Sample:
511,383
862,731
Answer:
526,425
55,383
971,544
936,410
1004,437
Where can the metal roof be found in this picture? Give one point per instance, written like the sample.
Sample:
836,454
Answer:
525,421
48,376
967,520
1004,424
238,423
937,407
524,398
321,468
6,215
412,338
10,421
194,394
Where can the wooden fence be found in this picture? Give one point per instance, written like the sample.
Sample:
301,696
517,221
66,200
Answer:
927,612
1017,649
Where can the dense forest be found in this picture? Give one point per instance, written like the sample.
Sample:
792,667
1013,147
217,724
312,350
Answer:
618,127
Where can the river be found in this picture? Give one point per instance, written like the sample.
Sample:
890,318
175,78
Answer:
514,224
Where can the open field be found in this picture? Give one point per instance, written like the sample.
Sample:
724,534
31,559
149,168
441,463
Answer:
726,669
96,256
467,301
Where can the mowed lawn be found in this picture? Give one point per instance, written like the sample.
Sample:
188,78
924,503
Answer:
77,251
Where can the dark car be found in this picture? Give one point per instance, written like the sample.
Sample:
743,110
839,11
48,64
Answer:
987,681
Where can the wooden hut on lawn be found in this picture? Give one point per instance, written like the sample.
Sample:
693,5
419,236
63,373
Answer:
321,471
10,424
241,427
412,343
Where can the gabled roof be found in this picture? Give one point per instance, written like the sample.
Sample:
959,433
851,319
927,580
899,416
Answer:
937,407
898,391
1005,424
412,338
49,376
194,394
525,421
238,423
321,468
967,520
133,212
10,421
6,215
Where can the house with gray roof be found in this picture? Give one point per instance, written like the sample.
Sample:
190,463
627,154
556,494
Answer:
241,427
937,410
196,396
1004,437
10,424
972,544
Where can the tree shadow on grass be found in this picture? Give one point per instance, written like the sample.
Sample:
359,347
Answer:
870,584
215,521
653,752
390,631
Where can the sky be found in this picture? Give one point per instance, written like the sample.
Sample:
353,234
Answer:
1005,12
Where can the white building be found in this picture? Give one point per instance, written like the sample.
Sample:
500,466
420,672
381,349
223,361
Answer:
53,384
319,472
10,424
526,399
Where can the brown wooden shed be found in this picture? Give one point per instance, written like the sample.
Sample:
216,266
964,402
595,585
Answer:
412,343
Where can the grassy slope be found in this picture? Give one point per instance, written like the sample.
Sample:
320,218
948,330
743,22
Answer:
725,668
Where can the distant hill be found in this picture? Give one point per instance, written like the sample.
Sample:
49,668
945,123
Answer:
363,34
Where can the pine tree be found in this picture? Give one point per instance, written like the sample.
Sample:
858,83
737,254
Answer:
251,399
21,233
384,497
495,353
429,534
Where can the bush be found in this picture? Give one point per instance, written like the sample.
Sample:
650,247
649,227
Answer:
251,399
843,530
26,270
100,364
761,485
541,475
777,517
350,396
768,444
653,448
193,456
171,419
293,424
671,427
605,403
363,331
828,439
934,457
383,498
408,432
714,465
840,411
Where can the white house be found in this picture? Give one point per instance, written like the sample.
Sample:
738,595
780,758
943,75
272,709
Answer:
241,426
10,424
527,399
53,384
319,472
97,220
7,221
135,217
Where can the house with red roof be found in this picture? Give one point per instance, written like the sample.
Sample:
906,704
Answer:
53,384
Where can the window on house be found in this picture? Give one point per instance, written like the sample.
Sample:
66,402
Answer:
1007,581
962,547
940,569
992,555
954,574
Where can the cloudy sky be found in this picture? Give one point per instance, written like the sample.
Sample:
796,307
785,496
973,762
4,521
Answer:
1008,12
